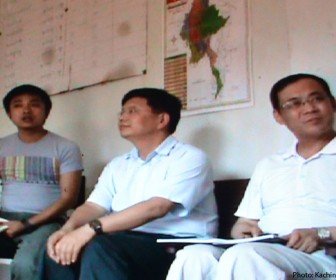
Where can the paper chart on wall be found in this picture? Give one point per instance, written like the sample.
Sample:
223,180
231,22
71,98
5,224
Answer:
109,42
67,44
32,44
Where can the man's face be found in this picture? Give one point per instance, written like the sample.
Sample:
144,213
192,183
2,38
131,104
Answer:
27,111
137,120
312,118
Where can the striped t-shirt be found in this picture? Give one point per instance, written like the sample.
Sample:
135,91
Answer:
30,172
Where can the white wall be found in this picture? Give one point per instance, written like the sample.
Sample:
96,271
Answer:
235,140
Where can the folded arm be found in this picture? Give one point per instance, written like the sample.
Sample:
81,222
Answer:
65,245
69,185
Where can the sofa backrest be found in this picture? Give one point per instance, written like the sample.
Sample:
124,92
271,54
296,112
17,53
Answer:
81,195
228,196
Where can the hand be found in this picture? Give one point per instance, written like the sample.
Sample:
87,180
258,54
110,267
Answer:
14,228
68,245
52,241
249,231
244,228
254,231
305,240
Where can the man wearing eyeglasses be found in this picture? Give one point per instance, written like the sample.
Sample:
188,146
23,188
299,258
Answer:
292,194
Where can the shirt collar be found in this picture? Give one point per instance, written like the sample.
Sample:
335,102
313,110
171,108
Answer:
291,152
330,148
163,149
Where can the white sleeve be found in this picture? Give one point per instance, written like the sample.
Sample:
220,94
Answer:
189,181
104,190
251,205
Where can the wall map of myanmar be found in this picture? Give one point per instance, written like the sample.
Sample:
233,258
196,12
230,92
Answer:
199,25
206,55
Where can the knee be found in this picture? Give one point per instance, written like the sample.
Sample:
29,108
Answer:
199,253
242,252
23,266
98,254
97,250
93,249
94,245
195,262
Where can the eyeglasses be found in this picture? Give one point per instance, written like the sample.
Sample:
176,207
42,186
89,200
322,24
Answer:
129,111
297,103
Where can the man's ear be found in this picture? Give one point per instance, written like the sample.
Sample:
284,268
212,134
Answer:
277,116
164,120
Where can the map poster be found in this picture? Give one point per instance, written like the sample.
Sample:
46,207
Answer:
207,54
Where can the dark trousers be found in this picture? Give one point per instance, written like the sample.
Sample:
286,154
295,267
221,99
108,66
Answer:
120,256
8,246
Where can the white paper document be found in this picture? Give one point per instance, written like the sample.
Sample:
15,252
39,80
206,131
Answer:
220,241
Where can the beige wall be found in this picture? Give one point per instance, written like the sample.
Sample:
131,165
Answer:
235,140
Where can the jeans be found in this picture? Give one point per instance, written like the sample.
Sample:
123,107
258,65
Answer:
26,249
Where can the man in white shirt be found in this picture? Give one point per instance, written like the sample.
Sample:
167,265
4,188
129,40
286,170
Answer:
292,194
162,188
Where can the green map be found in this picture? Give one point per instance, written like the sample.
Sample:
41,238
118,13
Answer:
199,25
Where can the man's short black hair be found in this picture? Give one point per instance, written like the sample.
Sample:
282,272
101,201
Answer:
160,101
30,89
284,82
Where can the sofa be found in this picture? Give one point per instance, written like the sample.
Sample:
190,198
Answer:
228,195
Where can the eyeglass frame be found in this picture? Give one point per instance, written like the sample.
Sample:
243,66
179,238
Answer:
298,103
